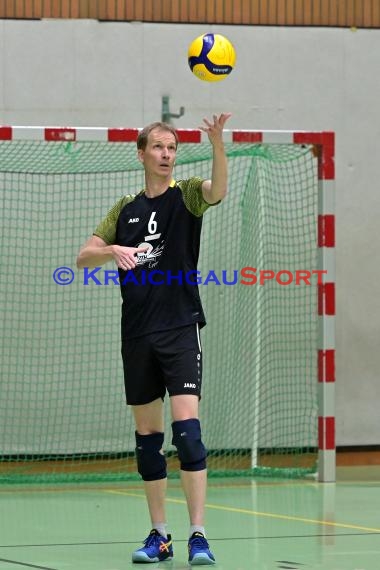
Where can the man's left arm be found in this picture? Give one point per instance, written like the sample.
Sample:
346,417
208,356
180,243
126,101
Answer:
214,190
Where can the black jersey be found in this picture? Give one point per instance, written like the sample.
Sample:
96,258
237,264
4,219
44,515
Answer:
160,293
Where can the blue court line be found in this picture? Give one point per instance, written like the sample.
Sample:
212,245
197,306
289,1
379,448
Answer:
25,564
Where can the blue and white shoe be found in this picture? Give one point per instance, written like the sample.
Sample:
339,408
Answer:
156,549
199,552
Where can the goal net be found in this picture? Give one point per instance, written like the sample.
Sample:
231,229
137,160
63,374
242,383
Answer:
62,409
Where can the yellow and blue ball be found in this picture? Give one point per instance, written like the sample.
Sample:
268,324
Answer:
211,57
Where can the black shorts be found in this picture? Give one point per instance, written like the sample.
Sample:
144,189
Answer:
164,361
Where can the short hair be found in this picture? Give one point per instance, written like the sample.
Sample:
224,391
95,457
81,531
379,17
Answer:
142,138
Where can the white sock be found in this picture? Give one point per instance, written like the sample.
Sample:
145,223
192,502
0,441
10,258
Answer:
196,528
161,528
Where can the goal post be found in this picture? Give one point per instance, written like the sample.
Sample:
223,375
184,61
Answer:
269,346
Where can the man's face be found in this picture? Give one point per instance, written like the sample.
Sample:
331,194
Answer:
159,154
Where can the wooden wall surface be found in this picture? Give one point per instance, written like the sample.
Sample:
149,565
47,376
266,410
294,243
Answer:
336,13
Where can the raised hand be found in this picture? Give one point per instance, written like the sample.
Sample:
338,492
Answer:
214,128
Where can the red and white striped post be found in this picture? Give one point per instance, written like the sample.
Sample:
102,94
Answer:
325,148
326,312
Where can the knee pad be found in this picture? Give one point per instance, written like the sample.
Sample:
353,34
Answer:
187,439
151,463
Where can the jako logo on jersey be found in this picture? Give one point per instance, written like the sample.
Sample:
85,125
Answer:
133,220
189,385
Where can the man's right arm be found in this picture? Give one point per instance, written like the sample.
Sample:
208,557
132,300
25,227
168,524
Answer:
96,252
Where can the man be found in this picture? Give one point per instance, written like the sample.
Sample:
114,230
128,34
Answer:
153,237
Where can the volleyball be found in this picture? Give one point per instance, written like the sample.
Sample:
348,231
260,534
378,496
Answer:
211,57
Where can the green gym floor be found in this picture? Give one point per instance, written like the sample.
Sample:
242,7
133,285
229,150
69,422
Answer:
259,524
